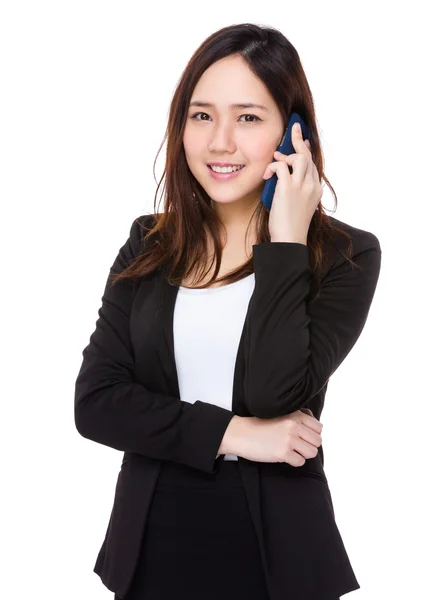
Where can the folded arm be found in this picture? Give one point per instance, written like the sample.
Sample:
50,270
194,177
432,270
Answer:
111,408
292,346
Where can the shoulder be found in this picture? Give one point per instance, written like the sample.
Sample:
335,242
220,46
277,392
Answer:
141,224
362,239
138,231
363,249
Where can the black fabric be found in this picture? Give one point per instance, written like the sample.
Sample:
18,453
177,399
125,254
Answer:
199,542
127,398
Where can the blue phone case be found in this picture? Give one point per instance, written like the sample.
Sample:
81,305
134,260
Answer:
285,147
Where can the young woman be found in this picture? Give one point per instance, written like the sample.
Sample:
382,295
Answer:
220,326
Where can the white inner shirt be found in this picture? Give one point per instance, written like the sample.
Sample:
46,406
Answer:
207,325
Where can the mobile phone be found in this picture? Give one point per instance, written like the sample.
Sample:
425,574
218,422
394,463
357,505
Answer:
285,147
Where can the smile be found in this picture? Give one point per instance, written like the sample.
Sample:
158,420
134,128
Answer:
225,174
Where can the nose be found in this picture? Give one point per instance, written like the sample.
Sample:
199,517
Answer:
222,139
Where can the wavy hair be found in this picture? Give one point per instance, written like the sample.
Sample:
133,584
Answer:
181,240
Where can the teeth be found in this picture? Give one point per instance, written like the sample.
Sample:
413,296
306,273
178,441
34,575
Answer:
226,169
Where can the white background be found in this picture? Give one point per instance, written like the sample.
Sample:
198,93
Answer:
85,90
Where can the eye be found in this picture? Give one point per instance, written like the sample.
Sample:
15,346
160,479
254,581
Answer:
254,117
246,115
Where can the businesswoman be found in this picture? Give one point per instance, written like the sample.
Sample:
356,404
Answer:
221,324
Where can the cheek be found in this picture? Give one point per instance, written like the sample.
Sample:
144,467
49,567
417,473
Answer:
187,142
193,150
260,153
259,159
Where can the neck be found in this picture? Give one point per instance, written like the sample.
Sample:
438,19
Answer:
236,216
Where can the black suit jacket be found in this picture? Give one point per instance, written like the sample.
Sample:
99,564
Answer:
127,397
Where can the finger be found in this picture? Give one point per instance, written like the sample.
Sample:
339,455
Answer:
299,170
309,175
310,436
290,159
297,139
303,439
310,421
314,172
307,144
278,167
283,175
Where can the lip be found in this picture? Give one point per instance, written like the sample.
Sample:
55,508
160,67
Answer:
224,176
224,164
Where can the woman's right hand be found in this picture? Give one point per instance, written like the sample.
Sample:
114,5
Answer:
291,439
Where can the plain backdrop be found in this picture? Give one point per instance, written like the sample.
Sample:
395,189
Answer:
85,91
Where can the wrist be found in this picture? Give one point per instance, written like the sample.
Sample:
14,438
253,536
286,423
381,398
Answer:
293,240
298,235
235,435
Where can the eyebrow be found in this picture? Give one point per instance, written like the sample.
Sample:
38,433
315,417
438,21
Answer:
239,105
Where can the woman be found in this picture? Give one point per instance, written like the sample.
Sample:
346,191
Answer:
227,498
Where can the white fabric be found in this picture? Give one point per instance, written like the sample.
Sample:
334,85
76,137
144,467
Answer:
207,325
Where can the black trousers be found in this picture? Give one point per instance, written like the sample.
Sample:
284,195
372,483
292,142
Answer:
199,541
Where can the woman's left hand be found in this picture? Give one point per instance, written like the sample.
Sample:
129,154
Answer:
296,195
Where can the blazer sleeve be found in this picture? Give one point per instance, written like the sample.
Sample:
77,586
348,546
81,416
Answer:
294,346
113,409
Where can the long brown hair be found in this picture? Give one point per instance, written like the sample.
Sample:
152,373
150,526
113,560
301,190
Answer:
181,240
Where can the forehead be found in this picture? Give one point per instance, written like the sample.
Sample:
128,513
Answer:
230,82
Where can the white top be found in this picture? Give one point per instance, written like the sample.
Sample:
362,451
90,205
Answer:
207,325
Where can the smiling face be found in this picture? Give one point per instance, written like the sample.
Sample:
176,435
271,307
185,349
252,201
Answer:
223,133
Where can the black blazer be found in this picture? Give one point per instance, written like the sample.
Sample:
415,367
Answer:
127,397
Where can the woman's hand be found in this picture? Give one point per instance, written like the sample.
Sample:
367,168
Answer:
291,439
296,195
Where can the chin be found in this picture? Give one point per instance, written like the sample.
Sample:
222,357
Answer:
215,202
229,199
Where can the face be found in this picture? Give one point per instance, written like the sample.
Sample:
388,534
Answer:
222,133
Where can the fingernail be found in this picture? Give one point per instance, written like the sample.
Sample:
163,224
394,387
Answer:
297,126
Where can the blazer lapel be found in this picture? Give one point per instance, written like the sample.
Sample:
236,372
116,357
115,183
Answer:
167,300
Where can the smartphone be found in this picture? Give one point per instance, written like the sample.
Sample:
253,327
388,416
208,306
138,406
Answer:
285,147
